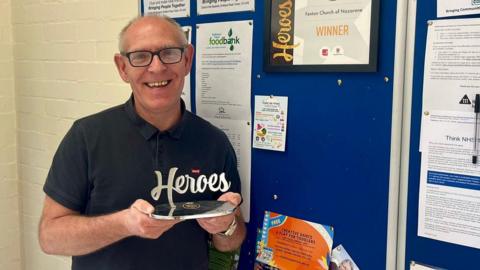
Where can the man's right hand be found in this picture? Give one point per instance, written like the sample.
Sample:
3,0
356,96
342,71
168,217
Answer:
65,232
138,221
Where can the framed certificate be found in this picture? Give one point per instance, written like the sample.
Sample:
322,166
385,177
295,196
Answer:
321,36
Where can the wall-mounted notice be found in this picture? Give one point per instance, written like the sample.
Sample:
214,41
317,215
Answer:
270,123
170,8
419,266
186,96
341,260
224,70
222,6
446,8
292,243
238,132
452,61
223,88
449,197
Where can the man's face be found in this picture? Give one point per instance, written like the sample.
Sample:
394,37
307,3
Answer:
157,87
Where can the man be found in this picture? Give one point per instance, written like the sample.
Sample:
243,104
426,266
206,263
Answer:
113,166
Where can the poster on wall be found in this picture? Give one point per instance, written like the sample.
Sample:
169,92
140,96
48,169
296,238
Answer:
223,88
186,96
450,79
224,70
170,8
292,243
420,266
270,123
238,133
223,6
449,195
314,36
447,8
341,259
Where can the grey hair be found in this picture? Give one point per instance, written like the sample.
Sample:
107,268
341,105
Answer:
121,36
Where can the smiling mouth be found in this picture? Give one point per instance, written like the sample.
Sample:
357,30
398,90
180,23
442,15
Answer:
158,84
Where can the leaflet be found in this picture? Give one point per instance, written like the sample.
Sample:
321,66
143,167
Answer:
449,198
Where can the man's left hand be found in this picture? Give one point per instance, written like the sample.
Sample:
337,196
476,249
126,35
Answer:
220,224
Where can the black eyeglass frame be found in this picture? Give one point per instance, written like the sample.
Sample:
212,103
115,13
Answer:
157,53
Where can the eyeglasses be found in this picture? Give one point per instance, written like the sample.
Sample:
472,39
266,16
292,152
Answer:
144,58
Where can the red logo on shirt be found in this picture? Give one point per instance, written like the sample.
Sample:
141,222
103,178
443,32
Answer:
195,170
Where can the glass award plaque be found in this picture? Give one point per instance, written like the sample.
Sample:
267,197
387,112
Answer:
193,210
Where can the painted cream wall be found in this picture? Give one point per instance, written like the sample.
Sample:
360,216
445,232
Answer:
63,52
9,199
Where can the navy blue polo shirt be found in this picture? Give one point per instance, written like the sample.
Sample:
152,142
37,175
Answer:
108,160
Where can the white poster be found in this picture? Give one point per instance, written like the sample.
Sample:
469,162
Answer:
447,8
418,266
222,6
449,198
170,8
186,96
224,70
270,123
223,88
238,133
452,66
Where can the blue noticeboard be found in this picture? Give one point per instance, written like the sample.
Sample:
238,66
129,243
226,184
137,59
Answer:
335,170
420,249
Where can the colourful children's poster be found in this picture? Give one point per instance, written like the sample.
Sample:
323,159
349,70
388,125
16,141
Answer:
270,123
289,243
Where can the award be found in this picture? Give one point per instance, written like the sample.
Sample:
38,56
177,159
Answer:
193,210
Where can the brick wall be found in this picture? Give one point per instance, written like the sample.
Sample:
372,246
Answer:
9,201
63,53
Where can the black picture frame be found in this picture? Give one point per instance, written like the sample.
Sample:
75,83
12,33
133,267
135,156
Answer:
270,65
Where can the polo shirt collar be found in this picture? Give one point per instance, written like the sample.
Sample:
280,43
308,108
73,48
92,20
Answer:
148,130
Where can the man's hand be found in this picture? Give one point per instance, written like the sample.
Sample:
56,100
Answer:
220,224
139,222
63,231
